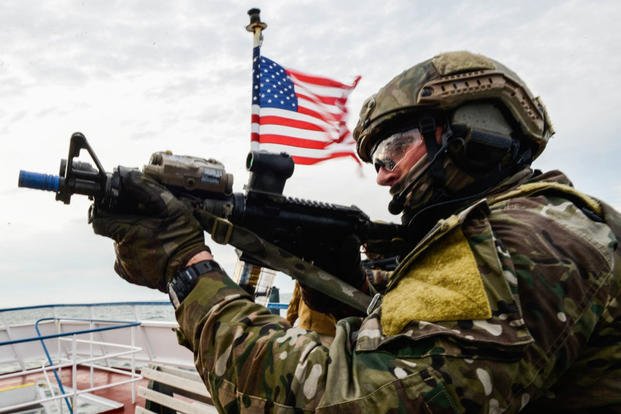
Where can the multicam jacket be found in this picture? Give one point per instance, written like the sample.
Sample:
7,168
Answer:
548,264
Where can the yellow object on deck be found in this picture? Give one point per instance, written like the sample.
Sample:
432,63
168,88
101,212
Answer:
16,387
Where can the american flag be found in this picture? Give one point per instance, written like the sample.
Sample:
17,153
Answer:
300,114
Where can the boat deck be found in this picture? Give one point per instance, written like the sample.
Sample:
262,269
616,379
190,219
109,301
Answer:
120,393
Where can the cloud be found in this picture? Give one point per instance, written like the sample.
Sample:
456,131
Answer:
146,76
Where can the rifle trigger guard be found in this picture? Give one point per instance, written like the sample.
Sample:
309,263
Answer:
221,231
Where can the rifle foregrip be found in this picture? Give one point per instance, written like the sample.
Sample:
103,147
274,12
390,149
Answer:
38,181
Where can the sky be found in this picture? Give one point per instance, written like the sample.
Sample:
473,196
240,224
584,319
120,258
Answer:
138,77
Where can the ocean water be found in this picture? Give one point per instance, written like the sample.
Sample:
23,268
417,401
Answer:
138,311
154,311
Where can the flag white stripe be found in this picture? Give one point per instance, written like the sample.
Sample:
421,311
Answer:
318,90
322,90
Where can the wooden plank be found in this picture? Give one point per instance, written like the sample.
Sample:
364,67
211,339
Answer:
142,410
176,404
195,387
192,375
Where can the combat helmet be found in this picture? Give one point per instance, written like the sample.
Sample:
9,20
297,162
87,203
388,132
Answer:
445,83
492,128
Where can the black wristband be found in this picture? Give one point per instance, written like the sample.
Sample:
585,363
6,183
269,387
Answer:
184,281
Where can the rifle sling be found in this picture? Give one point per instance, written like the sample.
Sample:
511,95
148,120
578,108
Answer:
224,232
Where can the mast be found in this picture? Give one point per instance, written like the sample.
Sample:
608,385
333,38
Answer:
256,27
255,279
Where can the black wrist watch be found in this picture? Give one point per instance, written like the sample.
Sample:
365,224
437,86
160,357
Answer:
184,281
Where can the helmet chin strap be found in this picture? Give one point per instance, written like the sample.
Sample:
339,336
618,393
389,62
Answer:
427,127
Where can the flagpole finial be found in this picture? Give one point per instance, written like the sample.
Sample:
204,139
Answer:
256,25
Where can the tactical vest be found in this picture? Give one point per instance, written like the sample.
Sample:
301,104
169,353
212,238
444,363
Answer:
447,285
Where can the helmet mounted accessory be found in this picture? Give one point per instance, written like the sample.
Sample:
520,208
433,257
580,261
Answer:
481,138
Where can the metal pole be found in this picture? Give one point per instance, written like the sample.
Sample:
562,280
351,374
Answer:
74,372
133,362
90,345
248,274
256,27
59,348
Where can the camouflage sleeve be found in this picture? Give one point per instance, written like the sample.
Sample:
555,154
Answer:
254,361
248,357
558,263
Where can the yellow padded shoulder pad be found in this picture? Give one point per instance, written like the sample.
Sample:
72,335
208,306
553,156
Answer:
442,284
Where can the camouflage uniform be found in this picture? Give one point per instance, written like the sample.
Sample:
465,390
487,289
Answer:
551,272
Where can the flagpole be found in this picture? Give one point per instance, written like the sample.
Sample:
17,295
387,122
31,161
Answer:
253,278
256,27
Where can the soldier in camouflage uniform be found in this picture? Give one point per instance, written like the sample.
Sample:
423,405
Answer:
507,300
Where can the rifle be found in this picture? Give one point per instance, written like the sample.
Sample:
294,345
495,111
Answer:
295,236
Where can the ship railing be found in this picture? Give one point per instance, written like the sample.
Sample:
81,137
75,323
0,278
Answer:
75,358
154,334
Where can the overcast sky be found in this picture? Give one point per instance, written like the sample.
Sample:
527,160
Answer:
142,76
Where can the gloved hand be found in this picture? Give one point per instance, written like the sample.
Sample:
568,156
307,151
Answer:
155,239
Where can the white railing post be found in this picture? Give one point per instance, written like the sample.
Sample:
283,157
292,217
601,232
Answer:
59,348
133,362
51,387
74,372
90,337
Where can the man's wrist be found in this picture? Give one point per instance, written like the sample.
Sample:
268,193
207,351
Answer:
199,257
184,280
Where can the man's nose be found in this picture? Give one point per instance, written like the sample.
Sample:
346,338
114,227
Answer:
387,178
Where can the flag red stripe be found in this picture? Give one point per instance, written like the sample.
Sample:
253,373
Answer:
292,141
